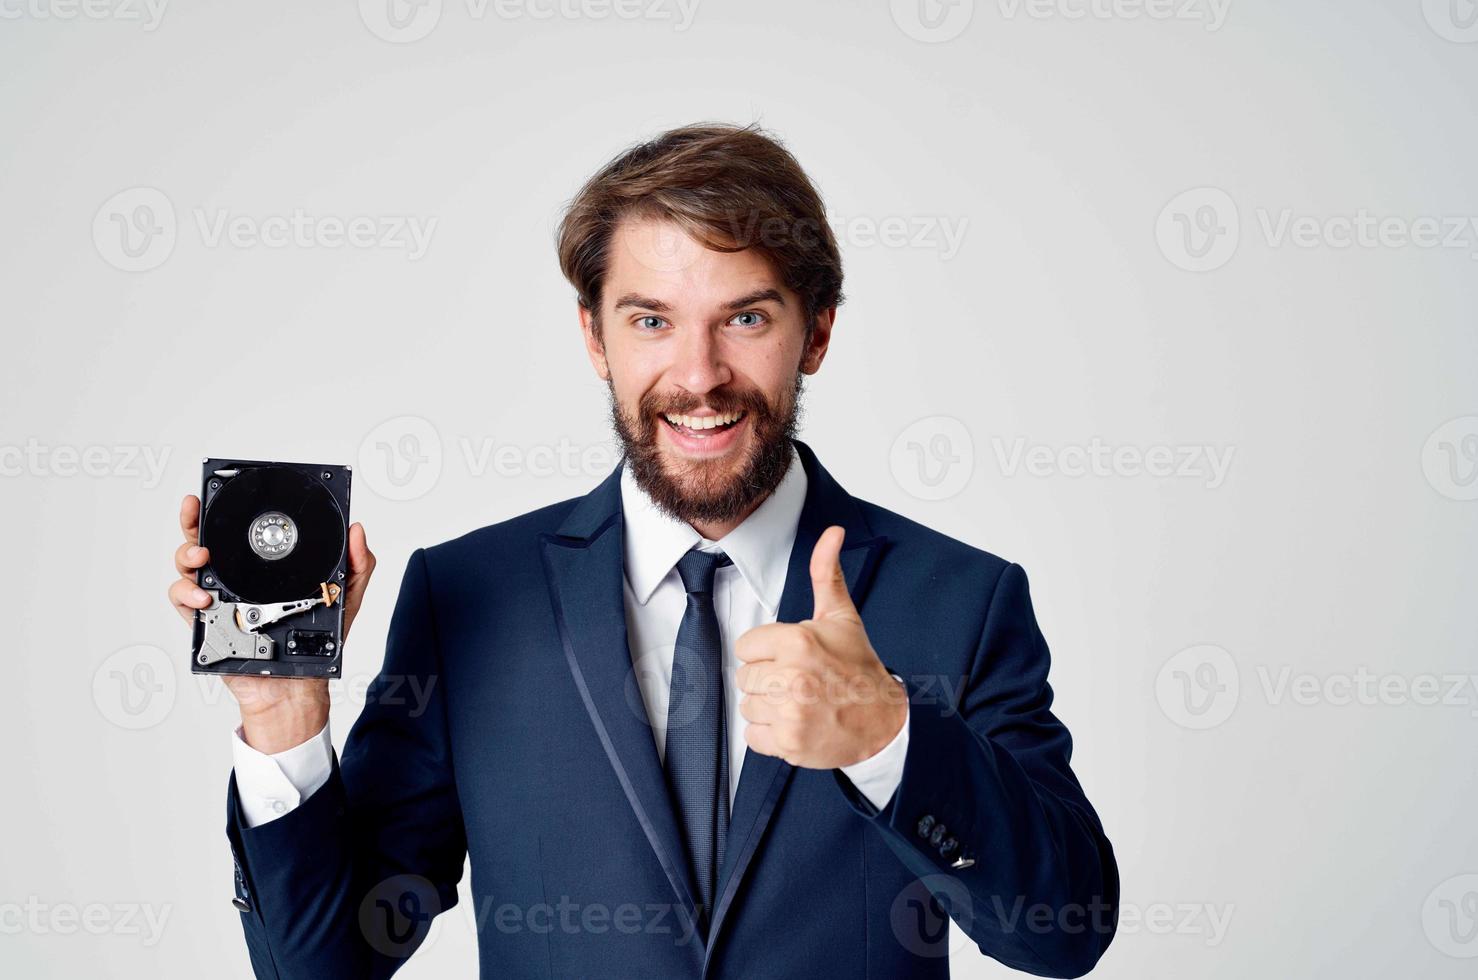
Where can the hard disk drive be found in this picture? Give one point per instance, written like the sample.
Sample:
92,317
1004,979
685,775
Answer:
277,535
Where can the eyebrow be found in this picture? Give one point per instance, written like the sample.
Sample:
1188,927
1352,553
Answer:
635,301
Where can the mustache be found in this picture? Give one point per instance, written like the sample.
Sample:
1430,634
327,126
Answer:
653,405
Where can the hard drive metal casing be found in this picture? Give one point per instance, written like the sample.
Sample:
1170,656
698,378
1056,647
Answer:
307,643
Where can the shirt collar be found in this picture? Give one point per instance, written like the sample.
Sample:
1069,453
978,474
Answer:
759,547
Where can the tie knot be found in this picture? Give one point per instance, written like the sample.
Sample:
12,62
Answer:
697,569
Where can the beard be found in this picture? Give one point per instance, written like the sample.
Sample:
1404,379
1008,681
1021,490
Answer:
709,490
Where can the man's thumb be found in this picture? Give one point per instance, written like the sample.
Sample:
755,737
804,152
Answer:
828,584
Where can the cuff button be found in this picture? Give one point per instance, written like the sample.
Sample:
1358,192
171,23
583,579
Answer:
242,905
926,825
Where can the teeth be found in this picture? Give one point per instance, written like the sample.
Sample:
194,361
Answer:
704,422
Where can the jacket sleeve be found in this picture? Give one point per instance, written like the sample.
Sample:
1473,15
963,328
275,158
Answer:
346,885
989,815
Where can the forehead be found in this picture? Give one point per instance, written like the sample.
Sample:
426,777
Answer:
657,258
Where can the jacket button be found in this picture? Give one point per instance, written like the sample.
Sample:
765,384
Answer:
926,825
938,834
948,847
242,905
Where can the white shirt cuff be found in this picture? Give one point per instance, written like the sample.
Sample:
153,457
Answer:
878,776
270,786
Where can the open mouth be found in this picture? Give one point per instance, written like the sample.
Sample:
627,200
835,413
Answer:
703,426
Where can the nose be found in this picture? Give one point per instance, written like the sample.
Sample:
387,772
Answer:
699,361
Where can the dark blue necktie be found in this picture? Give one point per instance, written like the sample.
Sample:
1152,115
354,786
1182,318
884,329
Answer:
697,756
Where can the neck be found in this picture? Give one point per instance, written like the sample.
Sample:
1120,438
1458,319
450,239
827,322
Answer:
716,530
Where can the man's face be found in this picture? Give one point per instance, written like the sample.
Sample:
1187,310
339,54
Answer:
704,352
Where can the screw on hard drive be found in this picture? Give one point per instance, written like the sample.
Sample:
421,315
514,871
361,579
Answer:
215,484
327,475
204,659
253,615
210,580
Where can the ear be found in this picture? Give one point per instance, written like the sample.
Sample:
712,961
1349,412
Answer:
594,349
820,341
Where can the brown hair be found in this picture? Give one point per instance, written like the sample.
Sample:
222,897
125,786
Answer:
729,187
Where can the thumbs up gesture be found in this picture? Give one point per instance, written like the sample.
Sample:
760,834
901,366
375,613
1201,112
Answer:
815,692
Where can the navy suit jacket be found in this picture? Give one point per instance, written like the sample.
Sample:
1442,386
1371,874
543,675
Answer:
506,724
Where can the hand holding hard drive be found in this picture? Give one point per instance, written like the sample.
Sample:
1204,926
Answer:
258,619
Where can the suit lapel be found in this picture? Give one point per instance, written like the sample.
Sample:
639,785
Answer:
763,780
584,563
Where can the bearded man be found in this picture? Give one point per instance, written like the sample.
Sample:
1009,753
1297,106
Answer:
715,718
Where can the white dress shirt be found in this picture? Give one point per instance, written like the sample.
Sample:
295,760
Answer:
746,594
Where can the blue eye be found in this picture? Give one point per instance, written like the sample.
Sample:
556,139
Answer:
650,322
750,319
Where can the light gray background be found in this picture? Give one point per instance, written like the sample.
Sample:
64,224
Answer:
1248,662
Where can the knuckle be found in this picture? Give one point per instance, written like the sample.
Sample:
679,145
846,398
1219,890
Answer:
777,687
807,663
800,641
